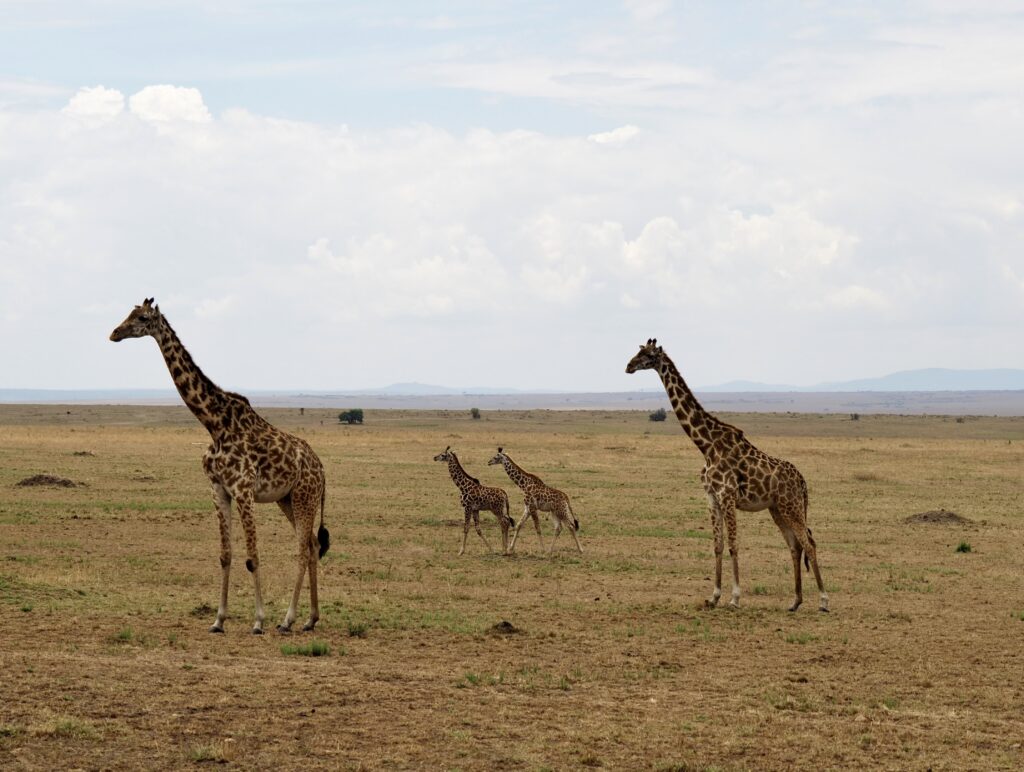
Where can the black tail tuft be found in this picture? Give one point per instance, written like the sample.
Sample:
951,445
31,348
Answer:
576,524
324,537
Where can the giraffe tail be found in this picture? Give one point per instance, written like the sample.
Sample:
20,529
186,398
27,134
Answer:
511,520
807,561
323,536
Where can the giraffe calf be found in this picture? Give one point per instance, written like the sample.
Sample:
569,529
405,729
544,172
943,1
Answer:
475,497
538,496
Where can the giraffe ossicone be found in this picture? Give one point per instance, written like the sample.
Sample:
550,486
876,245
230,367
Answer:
737,475
249,461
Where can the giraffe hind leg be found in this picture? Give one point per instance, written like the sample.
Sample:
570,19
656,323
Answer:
304,517
811,551
480,533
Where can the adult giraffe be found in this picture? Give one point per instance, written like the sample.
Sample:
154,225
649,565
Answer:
737,475
248,462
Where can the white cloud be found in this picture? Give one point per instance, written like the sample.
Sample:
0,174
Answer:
616,136
508,258
95,104
169,103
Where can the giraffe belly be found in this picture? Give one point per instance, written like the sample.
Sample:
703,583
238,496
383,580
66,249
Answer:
752,504
265,493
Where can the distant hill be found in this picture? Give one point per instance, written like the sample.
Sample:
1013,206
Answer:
414,389
927,379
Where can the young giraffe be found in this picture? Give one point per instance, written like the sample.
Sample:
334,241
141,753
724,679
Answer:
248,462
475,497
737,475
538,496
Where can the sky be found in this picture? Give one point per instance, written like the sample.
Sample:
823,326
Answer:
331,195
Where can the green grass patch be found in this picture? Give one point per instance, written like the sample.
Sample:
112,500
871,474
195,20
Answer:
311,649
963,546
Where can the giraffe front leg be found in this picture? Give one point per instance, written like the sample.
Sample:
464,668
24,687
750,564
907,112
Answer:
245,505
515,533
734,552
223,503
465,531
480,533
716,527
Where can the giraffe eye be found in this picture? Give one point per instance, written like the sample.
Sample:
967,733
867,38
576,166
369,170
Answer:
143,318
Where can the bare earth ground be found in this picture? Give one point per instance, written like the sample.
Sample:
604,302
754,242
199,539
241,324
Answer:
106,589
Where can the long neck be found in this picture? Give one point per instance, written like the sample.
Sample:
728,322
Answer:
459,475
695,420
515,472
202,396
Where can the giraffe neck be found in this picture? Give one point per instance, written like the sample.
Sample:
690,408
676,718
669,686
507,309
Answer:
698,424
202,396
459,475
516,473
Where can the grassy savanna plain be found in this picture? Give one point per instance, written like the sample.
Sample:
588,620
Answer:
107,590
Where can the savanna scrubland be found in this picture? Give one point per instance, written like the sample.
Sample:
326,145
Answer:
488,662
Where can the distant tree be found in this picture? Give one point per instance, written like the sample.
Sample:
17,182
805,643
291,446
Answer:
658,415
854,416
354,416
475,412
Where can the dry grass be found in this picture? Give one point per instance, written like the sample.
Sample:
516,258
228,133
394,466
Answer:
107,591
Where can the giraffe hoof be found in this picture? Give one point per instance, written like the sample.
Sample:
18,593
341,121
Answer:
257,631
734,604
794,607
216,629
308,628
711,603
823,609
284,630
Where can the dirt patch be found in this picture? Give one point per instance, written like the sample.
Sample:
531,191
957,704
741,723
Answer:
202,610
144,478
83,453
50,480
504,627
939,516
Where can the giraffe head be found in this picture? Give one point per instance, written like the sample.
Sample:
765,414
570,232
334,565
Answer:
648,358
499,458
142,321
446,456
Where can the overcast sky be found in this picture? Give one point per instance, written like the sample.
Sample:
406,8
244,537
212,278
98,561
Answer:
340,195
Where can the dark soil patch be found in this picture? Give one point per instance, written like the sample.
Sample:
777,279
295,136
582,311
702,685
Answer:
202,610
144,478
83,453
940,516
504,627
48,479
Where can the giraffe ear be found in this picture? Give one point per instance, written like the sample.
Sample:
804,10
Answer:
147,302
